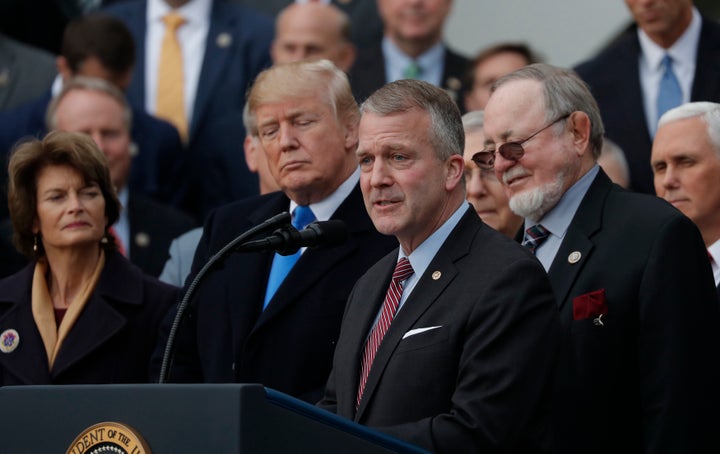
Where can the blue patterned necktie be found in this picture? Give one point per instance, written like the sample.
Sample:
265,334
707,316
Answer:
282,264
669,91
535,236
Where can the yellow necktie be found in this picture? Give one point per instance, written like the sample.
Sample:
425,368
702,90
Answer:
170,97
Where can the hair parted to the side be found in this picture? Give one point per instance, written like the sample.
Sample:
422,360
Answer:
564,93
446,132
304,79
57,148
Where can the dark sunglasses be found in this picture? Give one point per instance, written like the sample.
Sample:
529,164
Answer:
511,151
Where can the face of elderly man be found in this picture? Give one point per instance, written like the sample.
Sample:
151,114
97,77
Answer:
686,170
551,163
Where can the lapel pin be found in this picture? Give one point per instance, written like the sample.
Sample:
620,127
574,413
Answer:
9,340
142,239
4,77
436,275
224,40
574,257
598,321
453,83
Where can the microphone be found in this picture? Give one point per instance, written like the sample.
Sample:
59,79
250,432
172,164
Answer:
275,221
288,240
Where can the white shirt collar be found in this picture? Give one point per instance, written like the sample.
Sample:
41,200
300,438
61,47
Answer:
192,11
324,209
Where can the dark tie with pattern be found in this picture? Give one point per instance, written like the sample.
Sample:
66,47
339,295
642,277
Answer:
535,236
403,270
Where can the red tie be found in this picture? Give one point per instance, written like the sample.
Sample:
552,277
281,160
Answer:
403,270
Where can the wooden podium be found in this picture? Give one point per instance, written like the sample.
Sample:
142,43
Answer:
170,418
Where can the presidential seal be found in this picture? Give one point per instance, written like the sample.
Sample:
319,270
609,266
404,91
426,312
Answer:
109,438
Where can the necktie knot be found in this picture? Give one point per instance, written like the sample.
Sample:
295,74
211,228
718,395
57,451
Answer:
403,270
173,21
302,216
535,236
412,71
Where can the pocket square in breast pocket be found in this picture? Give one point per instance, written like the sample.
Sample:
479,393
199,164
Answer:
589,305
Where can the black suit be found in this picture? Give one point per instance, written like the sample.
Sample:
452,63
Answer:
368,74
480,379
111,341
614,79
646,378
288,346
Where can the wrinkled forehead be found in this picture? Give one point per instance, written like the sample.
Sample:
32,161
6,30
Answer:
511,106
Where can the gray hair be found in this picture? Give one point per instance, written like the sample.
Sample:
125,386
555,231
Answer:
446,133
93,84
473,121
612,152
709,112
564,93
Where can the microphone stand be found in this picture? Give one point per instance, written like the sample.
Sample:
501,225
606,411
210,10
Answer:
279,219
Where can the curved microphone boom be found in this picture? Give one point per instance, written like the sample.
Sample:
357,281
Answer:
275,221
288,240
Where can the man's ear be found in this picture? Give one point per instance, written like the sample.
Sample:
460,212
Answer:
580,127
455,165
250,149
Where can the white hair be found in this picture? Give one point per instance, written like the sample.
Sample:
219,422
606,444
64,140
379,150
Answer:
709,112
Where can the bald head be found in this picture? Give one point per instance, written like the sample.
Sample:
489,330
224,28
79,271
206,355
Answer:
306,31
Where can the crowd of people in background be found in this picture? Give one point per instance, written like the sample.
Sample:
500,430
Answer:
531,261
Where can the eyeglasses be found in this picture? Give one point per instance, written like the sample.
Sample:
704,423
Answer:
511,151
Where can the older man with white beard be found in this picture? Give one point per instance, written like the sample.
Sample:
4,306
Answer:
630,273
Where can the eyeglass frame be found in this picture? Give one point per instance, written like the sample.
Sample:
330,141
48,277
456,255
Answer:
515,151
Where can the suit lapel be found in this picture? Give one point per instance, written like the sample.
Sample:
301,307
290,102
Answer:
428,289
137,24
629,89
316,263
100,321
586,222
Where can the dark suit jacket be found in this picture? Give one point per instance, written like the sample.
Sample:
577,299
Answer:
368,74
289,346
644,379
481,379
111,341
614,79
153,226
237,49
156,169
26,72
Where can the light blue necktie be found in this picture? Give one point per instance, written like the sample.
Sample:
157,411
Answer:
669,92
282,264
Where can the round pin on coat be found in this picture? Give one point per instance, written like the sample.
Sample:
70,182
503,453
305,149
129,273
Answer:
574,257
436,275
9,341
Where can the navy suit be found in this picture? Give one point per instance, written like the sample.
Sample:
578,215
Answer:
467,364
289,345
111,341
368,74
237,49
644,379
614,79
155,170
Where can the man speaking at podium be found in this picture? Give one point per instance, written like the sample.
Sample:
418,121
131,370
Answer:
260,317
450,341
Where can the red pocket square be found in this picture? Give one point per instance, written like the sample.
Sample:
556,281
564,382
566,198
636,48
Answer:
589,305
